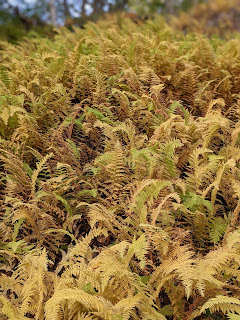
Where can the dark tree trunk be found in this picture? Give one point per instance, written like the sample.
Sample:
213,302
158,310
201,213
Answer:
83,9
66,9
98,7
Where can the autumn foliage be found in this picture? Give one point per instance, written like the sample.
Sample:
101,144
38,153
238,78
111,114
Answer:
120,175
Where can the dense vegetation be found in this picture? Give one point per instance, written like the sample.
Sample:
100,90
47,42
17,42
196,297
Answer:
120,175
213,17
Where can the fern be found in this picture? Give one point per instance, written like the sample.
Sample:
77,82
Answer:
220,303
119,173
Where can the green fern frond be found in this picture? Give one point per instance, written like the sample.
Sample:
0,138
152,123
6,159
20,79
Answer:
168,150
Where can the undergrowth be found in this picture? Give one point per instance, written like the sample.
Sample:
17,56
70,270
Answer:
120,175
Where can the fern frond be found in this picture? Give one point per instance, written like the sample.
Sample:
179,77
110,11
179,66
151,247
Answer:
220,303
100,307
10,311
180,264
138,248
40,167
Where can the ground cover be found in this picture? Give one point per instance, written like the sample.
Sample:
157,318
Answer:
120,177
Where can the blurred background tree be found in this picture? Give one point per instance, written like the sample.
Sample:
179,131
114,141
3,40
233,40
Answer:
19,17
56,11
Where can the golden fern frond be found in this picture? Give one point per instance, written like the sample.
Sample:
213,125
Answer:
233,316
210,125
117,165
219,174
158,238
86,316
113,269
219,303
7,309
112,64
126,306
40,166
107,218
18,180
155,212
144,196
81,251
139,247
31,279
233,239
187,86
7,283
98,306
197,167
148,77
132,81
127,127
122,98
209,268
37,265
163,132
179,264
